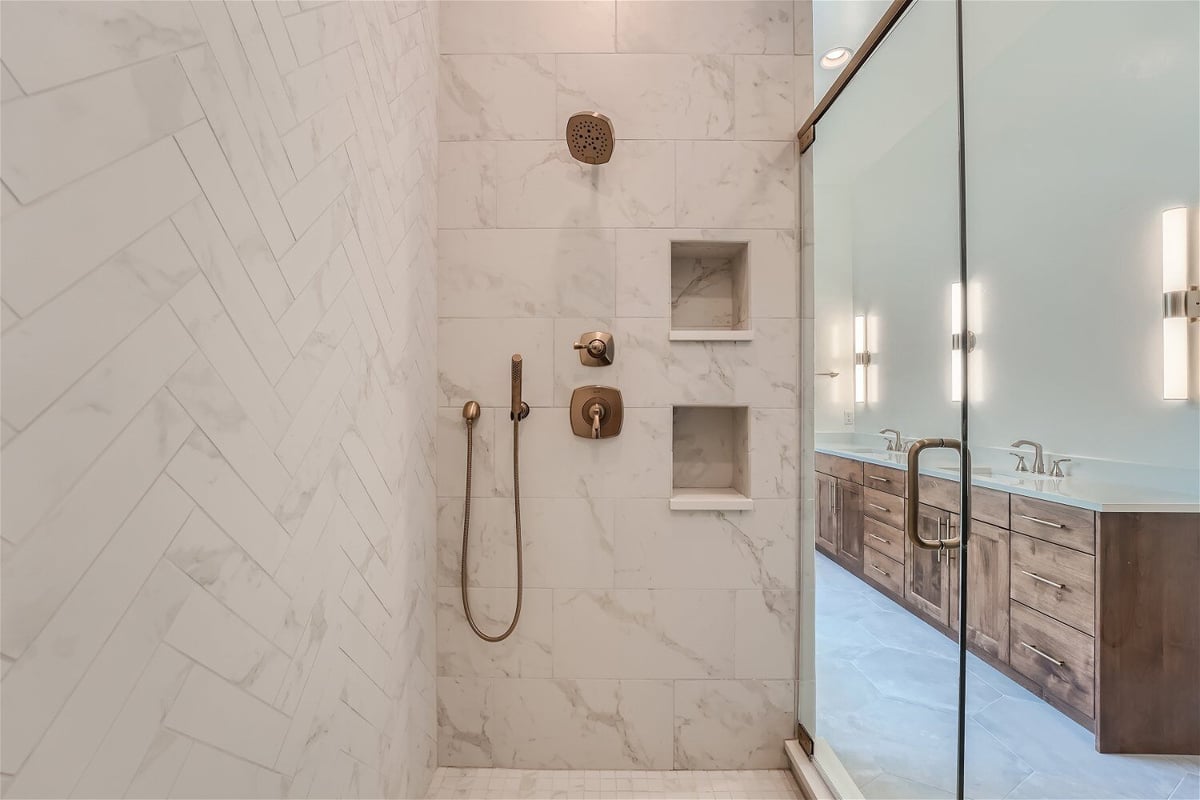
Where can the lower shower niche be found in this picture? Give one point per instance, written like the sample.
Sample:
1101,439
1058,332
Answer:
710,448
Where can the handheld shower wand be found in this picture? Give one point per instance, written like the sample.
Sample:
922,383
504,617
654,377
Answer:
519,410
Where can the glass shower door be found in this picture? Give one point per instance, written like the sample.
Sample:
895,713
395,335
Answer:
1082,123
887,265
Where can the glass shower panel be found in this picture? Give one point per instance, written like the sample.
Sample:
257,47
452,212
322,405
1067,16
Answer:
886,255
1082,125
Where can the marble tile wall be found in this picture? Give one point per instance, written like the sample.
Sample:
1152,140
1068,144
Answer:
649,639
219,399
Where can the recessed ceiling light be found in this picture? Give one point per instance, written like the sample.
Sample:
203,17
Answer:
836,57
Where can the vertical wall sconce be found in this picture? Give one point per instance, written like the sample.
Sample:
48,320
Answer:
861,359
956,343
1181,303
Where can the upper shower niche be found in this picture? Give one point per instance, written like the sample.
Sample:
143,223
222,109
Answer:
710,291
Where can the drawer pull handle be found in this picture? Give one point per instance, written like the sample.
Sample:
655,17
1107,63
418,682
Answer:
878,538
1040,521
879,478
1037,577
1049,658
878,507
877,569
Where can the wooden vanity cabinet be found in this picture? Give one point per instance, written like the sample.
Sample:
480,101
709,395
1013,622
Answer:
988,590
827,514
850,522
927,572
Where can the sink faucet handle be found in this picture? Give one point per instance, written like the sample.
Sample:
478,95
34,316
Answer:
1056,471
1020,462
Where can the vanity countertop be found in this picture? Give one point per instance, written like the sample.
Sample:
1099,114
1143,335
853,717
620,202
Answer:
1078,492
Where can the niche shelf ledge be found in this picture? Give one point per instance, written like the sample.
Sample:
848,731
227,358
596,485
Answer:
717,335
710,500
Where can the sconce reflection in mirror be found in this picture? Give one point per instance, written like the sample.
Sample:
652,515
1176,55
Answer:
861,359
1181,301
956,343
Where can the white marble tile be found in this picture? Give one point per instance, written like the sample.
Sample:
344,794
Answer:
321,31
554,723
49,350
467,185
662,549
567,542
215,712
775,452
802,16
222,39
219,262
651,96
318,84
765,370
526,26
526,273
736,184
255,41
451,468
474,357
206,554
54,452
525,654
315,139
655,371
497,97
306,423
765,97
314,247
209,772
766,626
39,261
216,488
642,633
47,45
803,80
308,199
733,724
539,185
201,392
704,26
55,137
37,686
207,80
9,88
314,301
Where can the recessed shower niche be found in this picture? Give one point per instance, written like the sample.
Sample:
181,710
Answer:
710,291
710,447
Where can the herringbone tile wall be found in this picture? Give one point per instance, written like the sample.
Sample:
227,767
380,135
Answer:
219,398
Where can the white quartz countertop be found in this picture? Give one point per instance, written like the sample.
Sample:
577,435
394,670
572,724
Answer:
1108,497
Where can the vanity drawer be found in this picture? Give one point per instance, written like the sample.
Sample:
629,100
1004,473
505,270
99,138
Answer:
844,468
1056,656
884,538
1055,580
987,505
887,508
885,479
882,570
1065,525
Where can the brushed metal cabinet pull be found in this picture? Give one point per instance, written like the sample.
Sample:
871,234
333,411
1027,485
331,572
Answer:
1036,651
880,538
1041,521
878,507
877,569
1037,577
879,478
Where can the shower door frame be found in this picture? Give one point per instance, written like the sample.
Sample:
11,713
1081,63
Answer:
822,755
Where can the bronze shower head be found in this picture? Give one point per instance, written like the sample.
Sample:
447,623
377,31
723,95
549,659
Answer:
590,137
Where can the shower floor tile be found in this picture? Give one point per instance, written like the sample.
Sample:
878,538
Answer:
510,784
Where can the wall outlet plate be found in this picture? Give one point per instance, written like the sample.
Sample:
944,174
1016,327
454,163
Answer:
848,418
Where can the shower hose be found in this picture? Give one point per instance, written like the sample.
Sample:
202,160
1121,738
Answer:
467,528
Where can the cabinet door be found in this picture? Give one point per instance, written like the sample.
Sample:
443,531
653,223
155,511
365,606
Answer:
827,514
926,572
850,521
988,580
